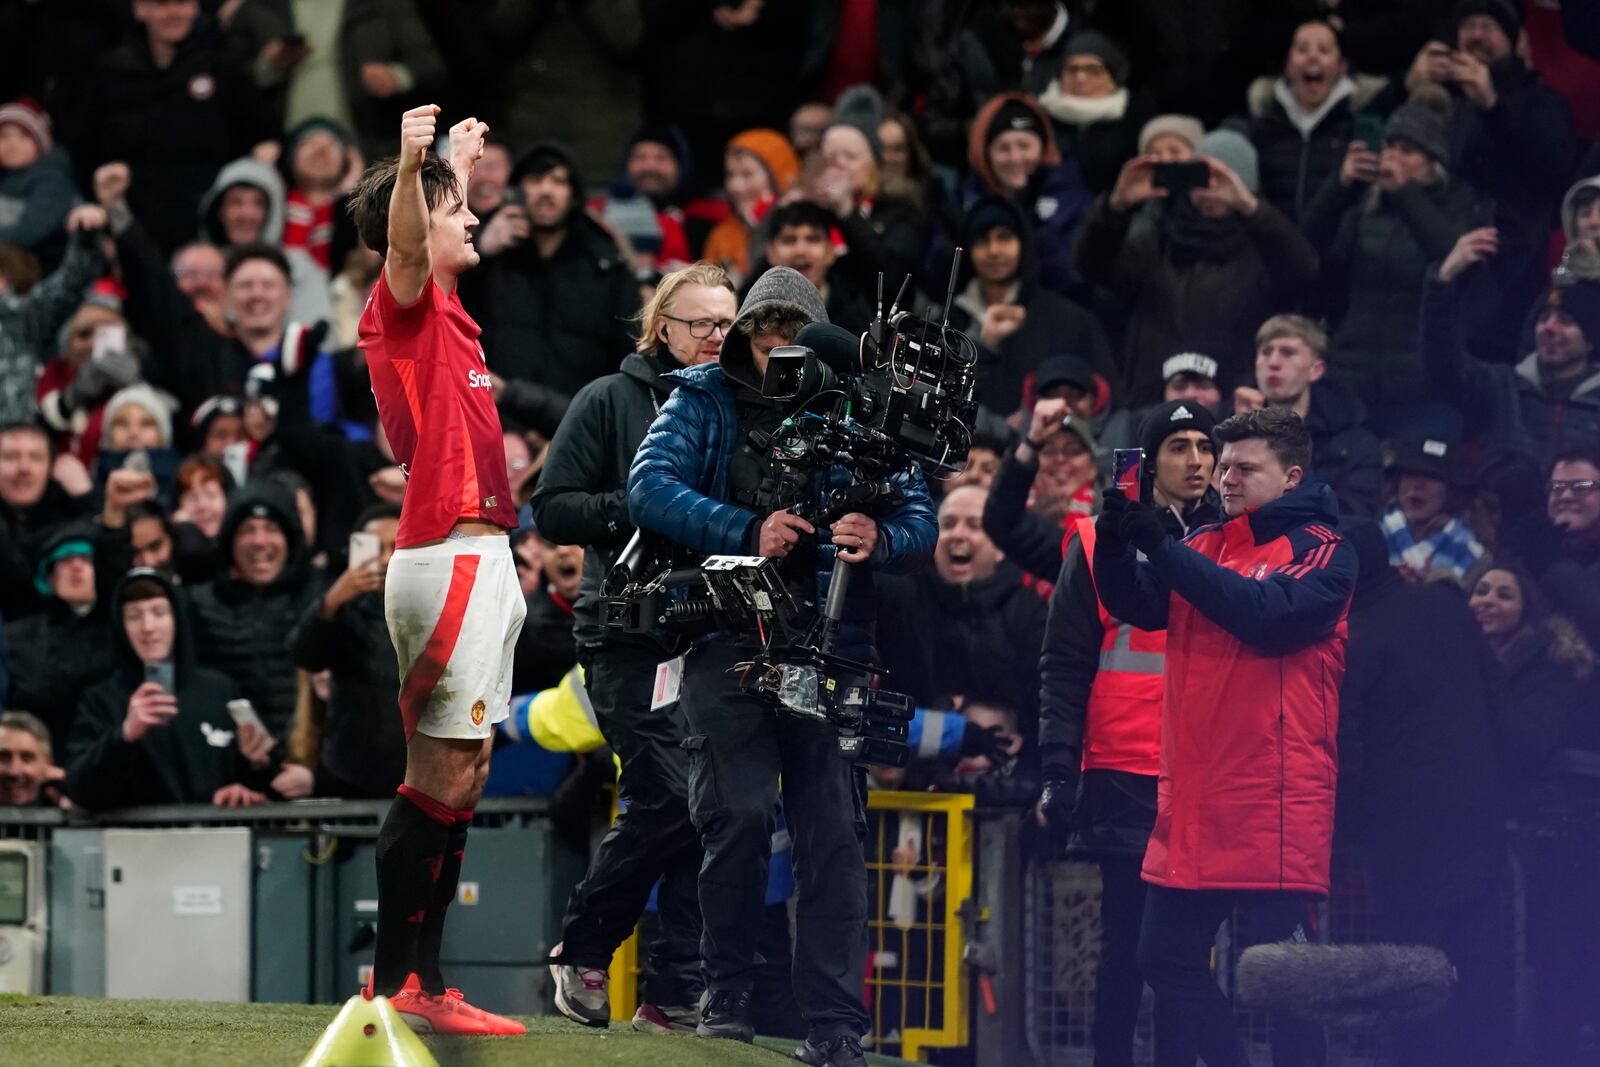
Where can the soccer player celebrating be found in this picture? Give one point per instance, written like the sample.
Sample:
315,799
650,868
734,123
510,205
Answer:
451,594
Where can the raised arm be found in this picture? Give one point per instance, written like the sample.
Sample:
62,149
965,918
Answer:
408,266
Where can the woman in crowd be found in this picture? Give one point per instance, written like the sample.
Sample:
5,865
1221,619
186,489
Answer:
1097,123
759,166
1012,151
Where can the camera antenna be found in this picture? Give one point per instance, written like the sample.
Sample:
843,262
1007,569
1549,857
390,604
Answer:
895,307
950,293
875,331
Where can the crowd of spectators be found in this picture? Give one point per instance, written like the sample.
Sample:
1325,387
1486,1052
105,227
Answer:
1389,222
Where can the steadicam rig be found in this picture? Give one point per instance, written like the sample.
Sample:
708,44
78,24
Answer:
861,410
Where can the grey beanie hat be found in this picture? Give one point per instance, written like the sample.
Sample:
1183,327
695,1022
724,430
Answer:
1423,120
160,405
1233,150
782,285
861,108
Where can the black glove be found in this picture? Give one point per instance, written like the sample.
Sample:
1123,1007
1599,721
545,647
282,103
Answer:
1141,527
990,741
1113,507
1057,800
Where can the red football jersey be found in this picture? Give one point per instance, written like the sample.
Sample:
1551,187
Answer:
437,407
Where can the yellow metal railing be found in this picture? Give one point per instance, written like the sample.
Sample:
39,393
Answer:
919,870
916,989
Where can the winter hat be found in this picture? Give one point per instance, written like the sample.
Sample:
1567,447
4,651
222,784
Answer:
1431,458
264,500
69,542
1014,115
775,153
1233,150
991,213
140,394
1499,10
1063,370
306,127
33,119
1580,301
1189,363
1186,127
1167,419
1094,43
861,108
1584,190
783,285
1423,120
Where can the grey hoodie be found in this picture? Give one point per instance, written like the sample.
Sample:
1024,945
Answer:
311,303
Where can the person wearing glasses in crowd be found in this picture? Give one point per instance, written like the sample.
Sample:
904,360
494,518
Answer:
582,500
1564,551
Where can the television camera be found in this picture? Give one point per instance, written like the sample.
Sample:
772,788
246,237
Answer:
895,398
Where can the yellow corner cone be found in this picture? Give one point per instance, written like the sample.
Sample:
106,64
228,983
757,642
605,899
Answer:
369,1033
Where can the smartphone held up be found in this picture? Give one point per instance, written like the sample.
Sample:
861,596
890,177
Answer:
1127,472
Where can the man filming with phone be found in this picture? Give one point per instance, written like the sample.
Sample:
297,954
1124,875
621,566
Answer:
1254,610
1100,712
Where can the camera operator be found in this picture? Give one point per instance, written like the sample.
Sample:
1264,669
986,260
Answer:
703,479
582,499
1255,611
1100,710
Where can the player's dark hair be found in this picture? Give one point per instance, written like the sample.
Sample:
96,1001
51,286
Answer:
1283,431
239,255
369,202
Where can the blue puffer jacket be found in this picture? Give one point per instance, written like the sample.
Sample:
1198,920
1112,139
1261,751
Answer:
679,479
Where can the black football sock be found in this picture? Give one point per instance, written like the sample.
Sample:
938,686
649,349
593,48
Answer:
444,892
411,847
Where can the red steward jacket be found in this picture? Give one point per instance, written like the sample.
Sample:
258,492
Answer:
1254,610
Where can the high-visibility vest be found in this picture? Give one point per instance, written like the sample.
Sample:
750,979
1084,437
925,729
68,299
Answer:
1122,731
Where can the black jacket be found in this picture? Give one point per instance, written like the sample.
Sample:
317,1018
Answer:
1344,453
182,762
174,128
1541,711
1031,541
1293,167
54,655
363,750
979,640
582,498
23,533
1382,250
558,322
243,630
1415,733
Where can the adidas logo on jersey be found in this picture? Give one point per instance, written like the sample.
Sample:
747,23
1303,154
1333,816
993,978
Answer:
479,380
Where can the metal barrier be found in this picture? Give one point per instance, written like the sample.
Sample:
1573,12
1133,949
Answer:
919,882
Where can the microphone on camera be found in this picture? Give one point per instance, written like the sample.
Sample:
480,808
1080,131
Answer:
836,347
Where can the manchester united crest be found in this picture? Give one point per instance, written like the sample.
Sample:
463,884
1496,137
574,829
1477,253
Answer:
478,708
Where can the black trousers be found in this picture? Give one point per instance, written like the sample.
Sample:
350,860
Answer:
652,840
1119,987
740,746
1193,1018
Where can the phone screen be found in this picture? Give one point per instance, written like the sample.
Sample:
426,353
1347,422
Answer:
1127,471
109,337
1369,130
163,674
364,549
1180,177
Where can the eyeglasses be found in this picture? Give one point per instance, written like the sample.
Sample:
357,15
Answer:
700,329
1582,487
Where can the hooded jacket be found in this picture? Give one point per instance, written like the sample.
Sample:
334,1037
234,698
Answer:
55,653
184,761
939,639
34,201
1056,200
1053,325
679,483
582,498
558,322
1254,610
1296,152
1507,406
244,629
311,303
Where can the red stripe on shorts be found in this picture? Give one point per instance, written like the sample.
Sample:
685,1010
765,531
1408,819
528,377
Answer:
429,667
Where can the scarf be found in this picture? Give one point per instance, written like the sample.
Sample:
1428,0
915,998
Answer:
1190,237
1303,120
1083,110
